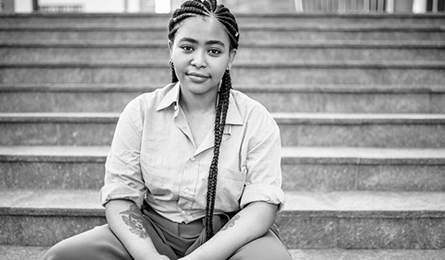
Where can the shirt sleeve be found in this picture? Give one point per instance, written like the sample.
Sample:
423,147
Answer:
123,177
263,161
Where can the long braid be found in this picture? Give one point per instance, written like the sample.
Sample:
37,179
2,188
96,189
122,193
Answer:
220,121
210,8
173,73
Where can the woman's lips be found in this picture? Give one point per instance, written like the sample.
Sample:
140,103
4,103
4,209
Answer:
197,77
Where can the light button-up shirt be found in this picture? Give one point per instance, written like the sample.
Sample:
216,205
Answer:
153,158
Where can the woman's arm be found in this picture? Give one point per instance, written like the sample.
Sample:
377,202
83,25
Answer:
125,220
250,223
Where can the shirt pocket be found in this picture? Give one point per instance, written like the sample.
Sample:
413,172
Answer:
230,187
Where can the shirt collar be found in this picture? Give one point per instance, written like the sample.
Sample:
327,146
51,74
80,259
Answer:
233,115
172,98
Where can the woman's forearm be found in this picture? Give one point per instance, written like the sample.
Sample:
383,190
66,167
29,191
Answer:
250,223
126,221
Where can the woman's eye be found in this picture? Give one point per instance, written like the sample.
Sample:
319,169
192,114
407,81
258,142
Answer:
214,51
187,48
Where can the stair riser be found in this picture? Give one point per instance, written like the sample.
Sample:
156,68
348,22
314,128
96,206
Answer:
65,102
241,19
298,231
360,177
87,19
240,75
319,232
274,102
345,35
43,230
161,34
246,53
36,253
296,177
57,133
124,35
52,175
386,135
297,134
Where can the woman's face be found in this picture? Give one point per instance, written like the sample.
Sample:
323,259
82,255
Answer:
201,53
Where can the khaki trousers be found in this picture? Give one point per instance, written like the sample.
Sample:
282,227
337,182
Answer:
171,239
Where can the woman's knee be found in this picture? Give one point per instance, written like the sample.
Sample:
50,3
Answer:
264,248
61,251
98,243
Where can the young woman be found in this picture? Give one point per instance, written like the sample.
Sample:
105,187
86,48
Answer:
194,168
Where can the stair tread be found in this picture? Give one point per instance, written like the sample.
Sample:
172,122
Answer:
350,203
248,43
367,254
35,252
276,114
285,88
384,64
241,15
280,117
50,202
355,154
13,252
358,153
63,152
244,26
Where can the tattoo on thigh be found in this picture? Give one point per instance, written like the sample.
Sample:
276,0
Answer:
133,218
231,223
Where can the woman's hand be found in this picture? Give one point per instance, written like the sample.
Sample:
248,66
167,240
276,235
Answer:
187,257
160,257
240,230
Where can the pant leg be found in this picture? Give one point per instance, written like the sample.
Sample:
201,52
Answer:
264,248
100,243
96,244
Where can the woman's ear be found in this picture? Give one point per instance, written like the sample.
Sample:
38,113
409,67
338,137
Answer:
232,55
170,46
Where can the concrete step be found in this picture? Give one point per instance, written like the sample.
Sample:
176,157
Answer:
370,254
304,168
36,252
53,167
297,129
348,220
242,18
363,169
276,98
249,51
303,72
130,33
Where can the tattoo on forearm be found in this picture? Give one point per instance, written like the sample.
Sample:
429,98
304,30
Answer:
133,218
231,223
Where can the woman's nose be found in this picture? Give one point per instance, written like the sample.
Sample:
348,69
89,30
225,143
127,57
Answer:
199,59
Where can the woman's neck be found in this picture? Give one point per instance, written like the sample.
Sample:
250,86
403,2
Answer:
198,104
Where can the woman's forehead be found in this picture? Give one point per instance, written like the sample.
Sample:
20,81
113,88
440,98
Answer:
202,29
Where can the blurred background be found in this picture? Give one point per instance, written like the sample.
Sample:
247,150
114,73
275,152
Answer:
239,6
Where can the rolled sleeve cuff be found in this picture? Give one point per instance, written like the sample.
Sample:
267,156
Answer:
116,191
263,192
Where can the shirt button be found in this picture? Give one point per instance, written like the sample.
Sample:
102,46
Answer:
183,212
193,159
187,191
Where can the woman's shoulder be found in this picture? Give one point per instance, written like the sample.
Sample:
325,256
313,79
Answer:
247,105
150,99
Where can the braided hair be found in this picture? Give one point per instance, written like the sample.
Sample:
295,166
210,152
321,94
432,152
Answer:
210,8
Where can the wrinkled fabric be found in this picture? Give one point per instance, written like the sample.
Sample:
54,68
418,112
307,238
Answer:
153,158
